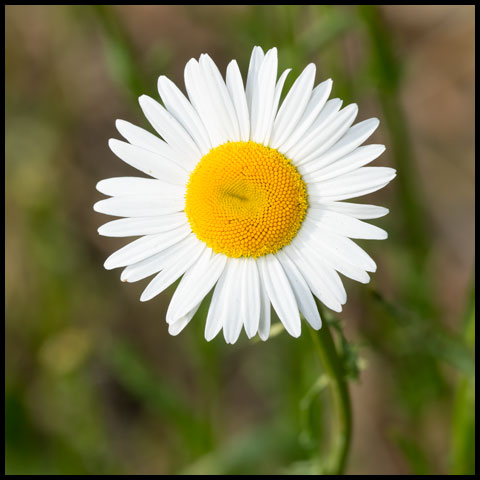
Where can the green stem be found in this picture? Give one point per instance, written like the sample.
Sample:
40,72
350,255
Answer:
387,73
120,52
331,362
462,455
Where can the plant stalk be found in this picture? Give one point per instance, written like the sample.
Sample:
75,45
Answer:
332,364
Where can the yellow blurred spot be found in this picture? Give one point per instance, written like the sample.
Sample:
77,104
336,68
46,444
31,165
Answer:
66,350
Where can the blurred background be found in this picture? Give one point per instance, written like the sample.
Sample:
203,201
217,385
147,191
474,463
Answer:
94,383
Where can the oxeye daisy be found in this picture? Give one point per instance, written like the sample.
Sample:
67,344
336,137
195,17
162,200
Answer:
245,197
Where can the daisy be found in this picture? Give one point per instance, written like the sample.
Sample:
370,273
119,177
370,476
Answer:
245,197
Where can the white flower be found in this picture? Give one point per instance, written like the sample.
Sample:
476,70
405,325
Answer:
245,197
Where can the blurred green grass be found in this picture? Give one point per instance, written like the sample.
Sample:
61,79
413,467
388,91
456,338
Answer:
94,384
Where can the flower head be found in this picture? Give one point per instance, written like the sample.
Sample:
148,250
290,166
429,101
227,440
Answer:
245,197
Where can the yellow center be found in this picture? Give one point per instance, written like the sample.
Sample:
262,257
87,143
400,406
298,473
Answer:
245,199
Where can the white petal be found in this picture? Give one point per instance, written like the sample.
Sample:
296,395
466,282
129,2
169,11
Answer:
118,186
332,256
276,100
315,105
354,184
237,93
195,284
345,268
141,138
293,106
265,314
357,210
154,263
305,242
354,137
316,274
200,98
302,293
328,273
325,117
150,163
184,112
256,60
133,227
172,271
329,135
263,97
233,322
344,247
280,293
315,172
171,131
250,303
220,97
223,296
176,327
213,324
145,247
139,205
345,225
